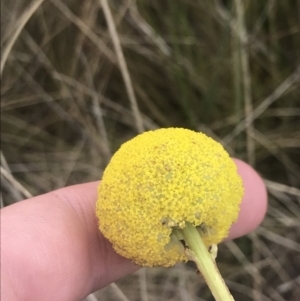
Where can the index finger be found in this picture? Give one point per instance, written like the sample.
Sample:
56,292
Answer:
53,249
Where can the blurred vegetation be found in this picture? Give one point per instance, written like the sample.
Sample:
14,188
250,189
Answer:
228,68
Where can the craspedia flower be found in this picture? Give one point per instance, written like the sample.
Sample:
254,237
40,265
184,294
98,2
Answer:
160,181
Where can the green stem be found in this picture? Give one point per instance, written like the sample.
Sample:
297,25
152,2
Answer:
205,263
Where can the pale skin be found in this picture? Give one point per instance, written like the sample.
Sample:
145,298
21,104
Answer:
51,248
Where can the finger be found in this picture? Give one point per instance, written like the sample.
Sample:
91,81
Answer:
254,203
54,250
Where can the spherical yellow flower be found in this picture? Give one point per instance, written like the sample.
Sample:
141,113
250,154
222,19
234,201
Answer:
157,182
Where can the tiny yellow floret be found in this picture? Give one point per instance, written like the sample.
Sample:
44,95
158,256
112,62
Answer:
157,182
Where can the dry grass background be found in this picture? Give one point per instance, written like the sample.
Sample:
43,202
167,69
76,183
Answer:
80,77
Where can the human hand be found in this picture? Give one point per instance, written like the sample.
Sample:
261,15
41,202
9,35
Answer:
51,248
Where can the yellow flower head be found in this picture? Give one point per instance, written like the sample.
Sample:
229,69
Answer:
160,180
